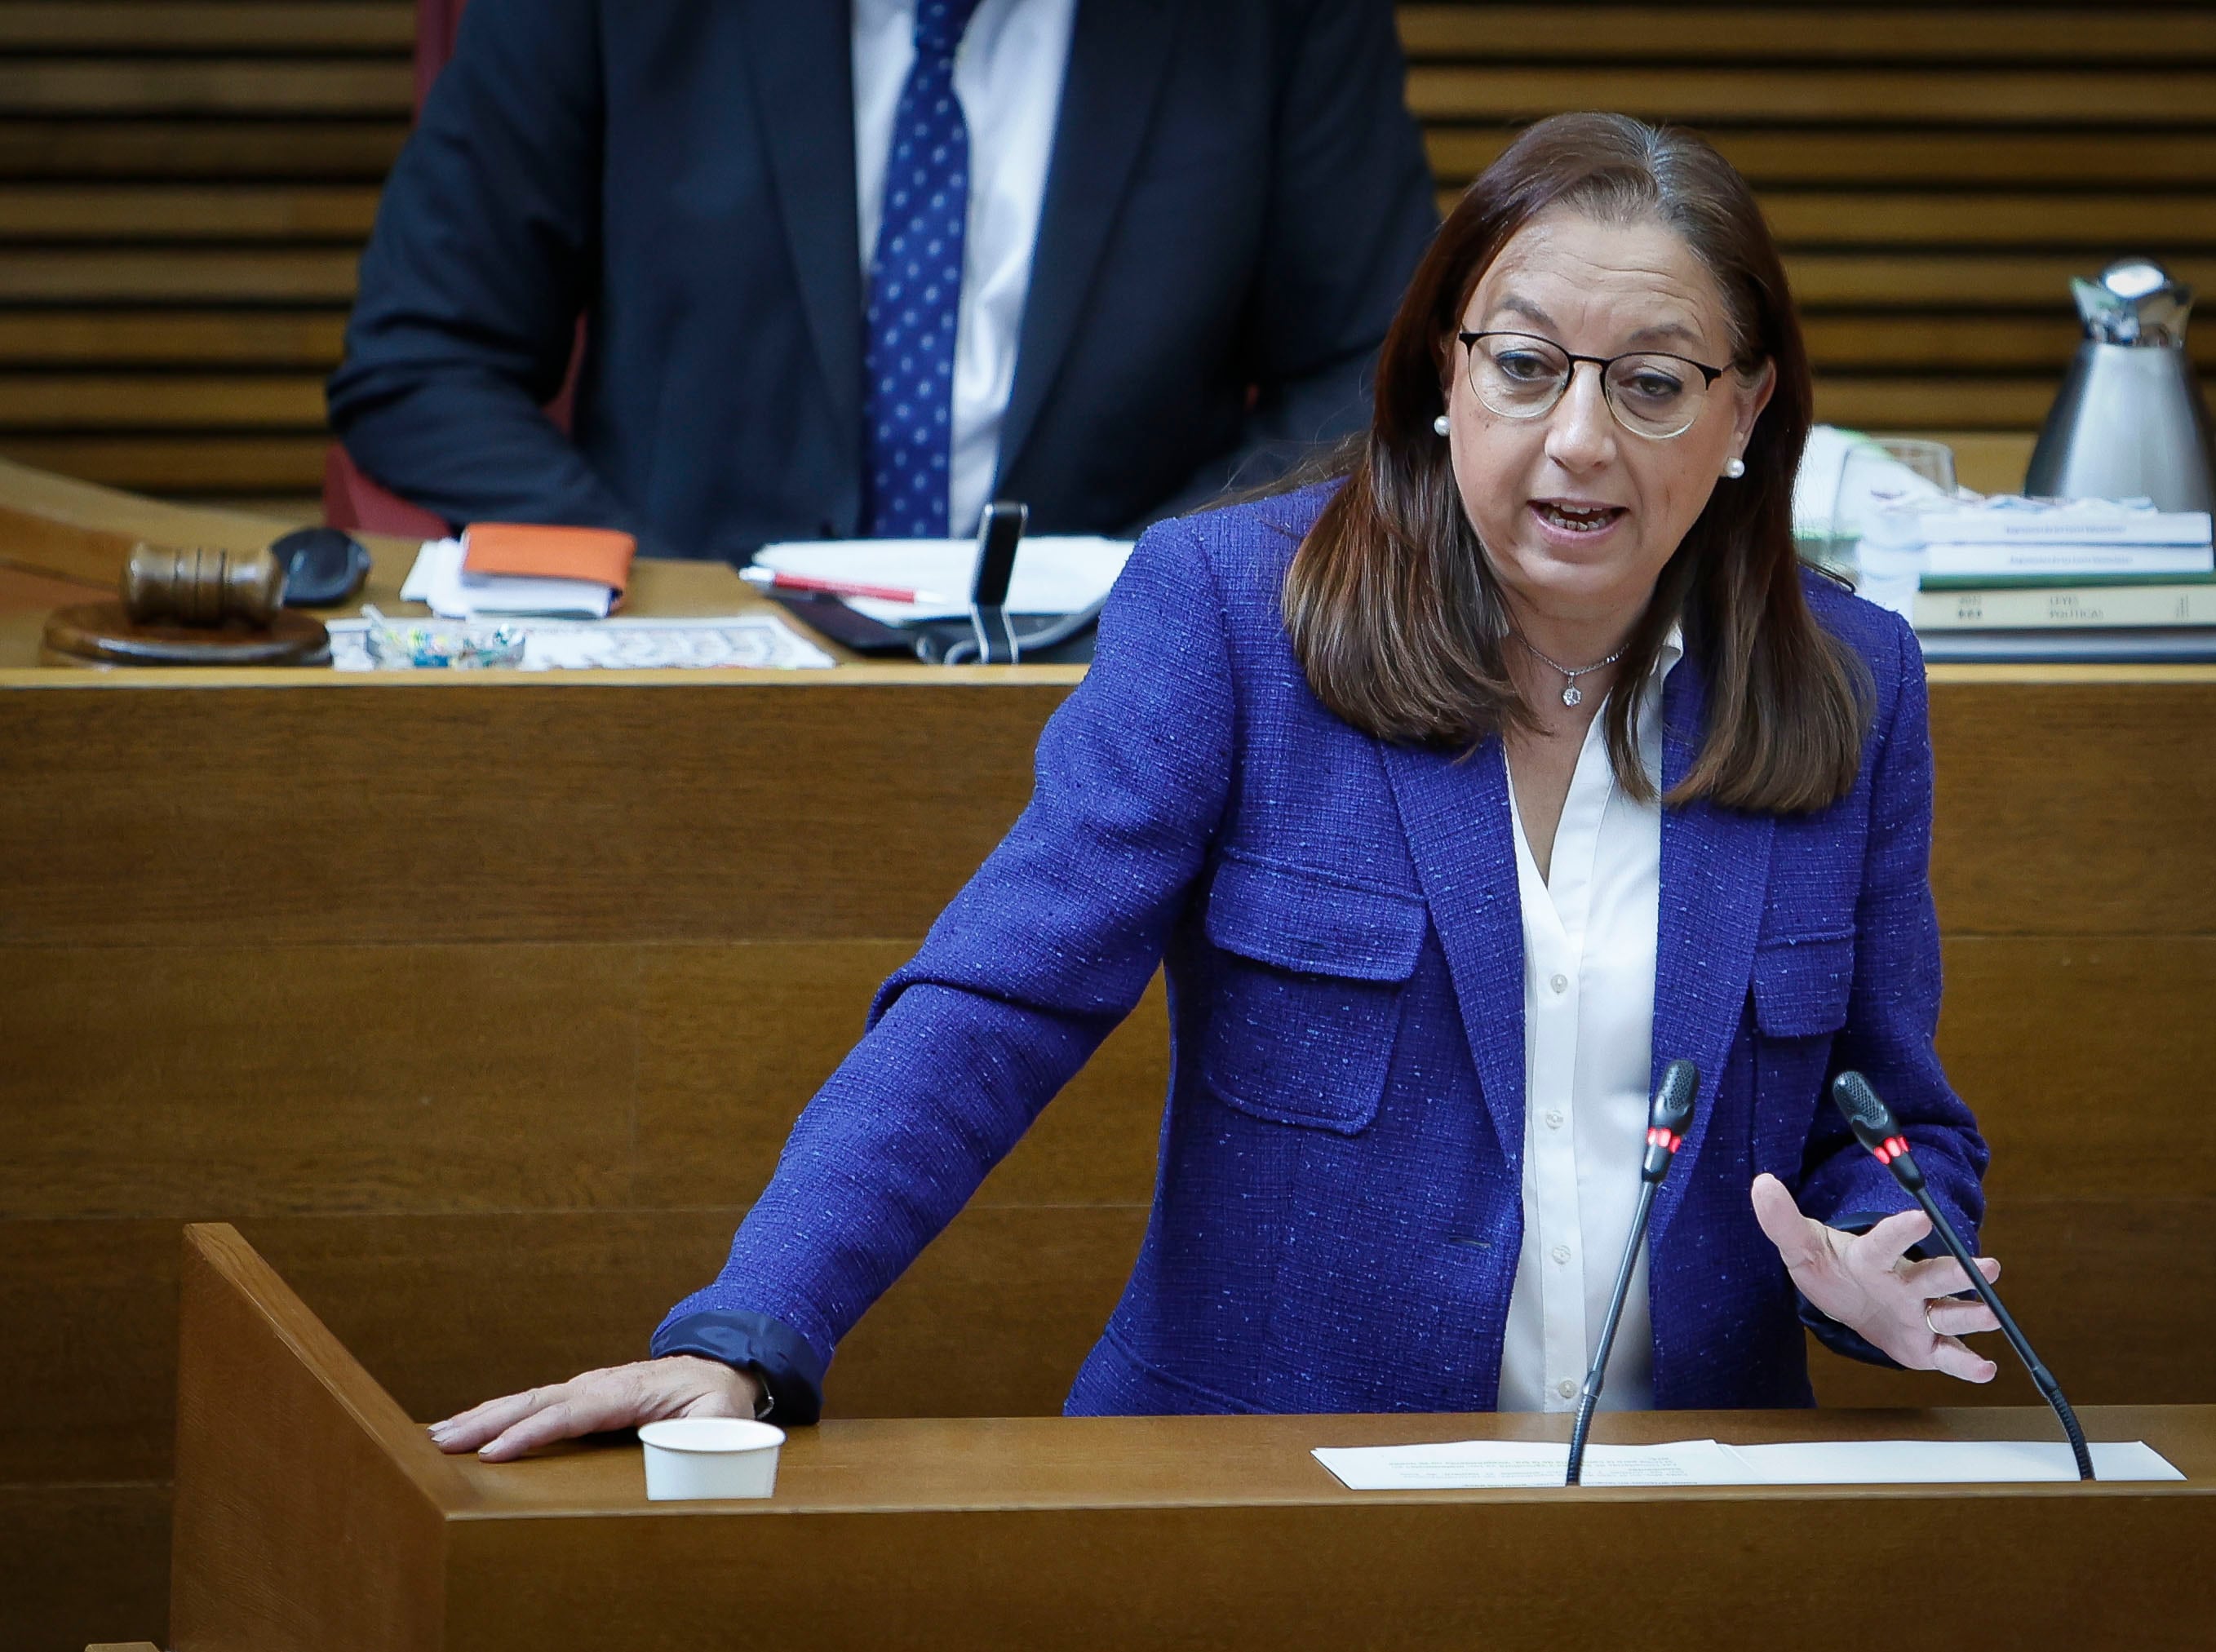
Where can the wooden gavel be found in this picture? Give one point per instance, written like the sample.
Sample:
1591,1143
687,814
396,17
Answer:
202,588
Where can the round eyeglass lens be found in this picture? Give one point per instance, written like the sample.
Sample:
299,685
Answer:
1521,377
1517,377
1655,395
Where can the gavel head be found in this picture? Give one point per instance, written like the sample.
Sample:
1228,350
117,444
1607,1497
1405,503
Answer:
202,588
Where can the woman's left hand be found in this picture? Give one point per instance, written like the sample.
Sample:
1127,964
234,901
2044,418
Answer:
1866,1282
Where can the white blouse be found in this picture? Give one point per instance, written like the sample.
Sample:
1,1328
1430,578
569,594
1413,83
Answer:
1589,952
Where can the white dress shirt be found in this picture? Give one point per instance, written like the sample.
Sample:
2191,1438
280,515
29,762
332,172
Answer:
1589,952
1008,73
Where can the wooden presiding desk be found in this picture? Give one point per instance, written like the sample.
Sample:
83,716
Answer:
311,1511
482,1003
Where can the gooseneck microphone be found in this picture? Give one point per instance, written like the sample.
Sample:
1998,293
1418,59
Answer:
1875,1127
1667,1119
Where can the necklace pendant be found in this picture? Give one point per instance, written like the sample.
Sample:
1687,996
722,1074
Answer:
1571,694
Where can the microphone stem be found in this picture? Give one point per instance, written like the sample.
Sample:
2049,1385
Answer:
2041,1377
1590,1396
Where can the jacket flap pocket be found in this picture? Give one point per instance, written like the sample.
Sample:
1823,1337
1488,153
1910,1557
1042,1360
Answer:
1312,921
1801,984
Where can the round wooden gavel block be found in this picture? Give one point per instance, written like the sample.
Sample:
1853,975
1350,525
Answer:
202,588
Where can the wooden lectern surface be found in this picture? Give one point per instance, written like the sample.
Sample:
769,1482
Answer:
312,1511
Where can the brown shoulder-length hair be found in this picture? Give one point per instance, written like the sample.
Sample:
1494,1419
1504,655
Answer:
1397,617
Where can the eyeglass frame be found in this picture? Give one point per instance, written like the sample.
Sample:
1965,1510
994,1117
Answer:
1708,376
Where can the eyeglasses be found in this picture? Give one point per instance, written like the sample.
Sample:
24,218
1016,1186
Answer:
1523,376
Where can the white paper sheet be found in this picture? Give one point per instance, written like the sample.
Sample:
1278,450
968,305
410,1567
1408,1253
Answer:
1946,1462
1466,1465
760,640
1054,574
437,579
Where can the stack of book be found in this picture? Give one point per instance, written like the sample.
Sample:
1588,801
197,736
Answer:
2009,578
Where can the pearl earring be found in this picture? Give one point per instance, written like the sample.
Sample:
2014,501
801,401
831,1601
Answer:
1736,469
1441,425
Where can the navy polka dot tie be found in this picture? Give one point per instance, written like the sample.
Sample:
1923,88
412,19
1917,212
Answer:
915,285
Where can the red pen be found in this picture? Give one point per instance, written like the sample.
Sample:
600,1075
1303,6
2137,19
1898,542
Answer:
770,578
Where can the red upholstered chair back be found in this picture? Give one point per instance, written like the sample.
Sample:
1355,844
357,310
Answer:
350,500
435,22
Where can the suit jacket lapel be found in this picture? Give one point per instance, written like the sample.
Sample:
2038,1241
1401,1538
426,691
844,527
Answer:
1117,52
802,68
1455,815
1715,879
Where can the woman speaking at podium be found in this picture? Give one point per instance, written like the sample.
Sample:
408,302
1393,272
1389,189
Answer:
1457,797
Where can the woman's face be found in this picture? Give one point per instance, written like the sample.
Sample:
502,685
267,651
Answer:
1578,514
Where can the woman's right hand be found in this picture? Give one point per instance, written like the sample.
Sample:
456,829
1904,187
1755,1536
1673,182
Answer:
622,1396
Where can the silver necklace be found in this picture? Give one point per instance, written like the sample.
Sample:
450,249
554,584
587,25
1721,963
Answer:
1572,694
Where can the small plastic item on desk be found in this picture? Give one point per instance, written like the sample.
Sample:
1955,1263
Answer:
710,1457
323,566
439,644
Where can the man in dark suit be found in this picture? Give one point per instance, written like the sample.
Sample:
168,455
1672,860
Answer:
855,269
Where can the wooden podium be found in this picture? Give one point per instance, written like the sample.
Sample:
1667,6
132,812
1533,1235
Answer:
311,1511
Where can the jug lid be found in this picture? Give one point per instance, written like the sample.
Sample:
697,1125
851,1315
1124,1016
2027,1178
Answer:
2133,302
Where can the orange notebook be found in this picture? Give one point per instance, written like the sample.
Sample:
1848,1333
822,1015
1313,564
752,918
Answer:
599,556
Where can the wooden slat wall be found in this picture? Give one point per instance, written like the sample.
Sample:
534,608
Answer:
185,187
184,190
1936,174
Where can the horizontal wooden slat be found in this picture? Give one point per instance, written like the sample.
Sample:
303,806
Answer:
149,401
537,1078
1966,402
179,466
2101,219
552,1078
156,338
2027,775
1935,343
84,1561
2101,222
2027,772
238,213
2028,159
360,150
208,25
193,86
1970,282
183,274
1937,97
1964,34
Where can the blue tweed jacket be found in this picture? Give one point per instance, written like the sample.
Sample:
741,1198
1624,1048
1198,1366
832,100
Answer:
1337,1214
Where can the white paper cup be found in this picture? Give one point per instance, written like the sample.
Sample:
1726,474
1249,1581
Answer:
710,1457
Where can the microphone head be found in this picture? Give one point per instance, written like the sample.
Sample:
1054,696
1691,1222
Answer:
1875,1127
1871,1118
1667,1117
1672,1108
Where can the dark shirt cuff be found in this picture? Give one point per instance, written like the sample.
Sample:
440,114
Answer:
769,1347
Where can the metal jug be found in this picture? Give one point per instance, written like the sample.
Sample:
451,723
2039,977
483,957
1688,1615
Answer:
2129,421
